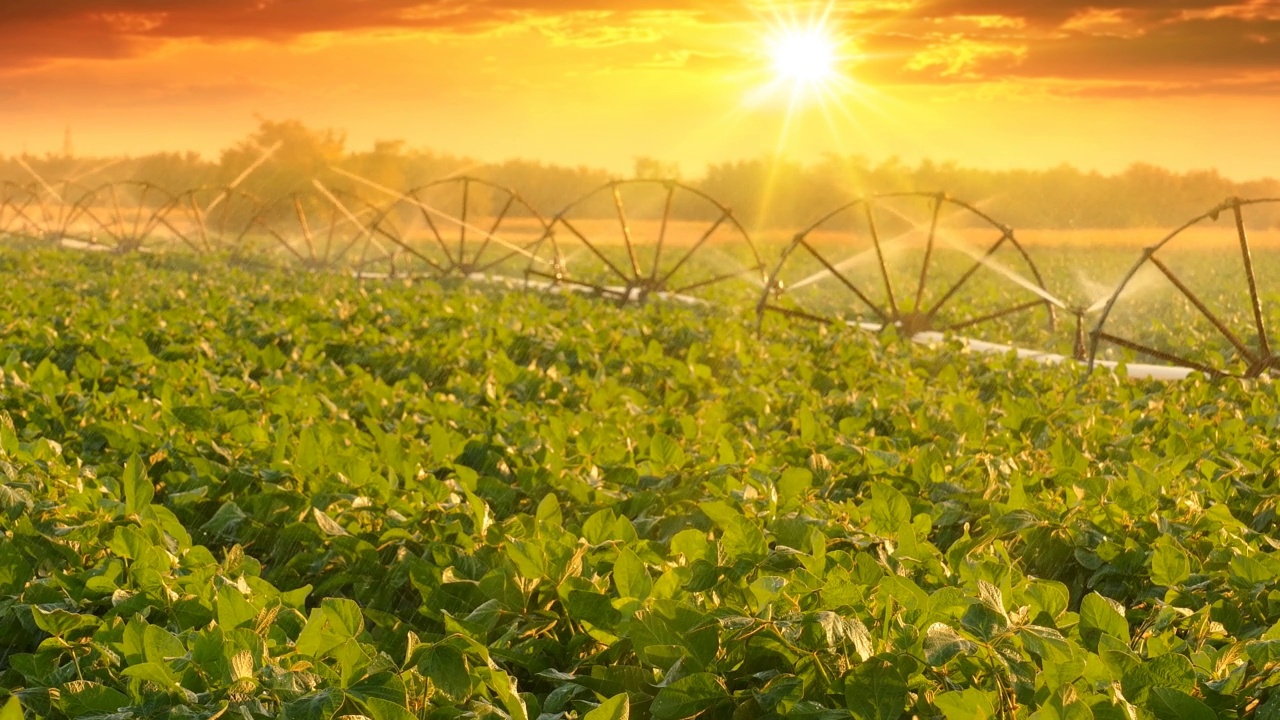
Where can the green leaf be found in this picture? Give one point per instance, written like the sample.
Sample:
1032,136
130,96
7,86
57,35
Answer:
1101,616
138,490
225,521
82,699
742,540
942,643
1172,704
839,632
1170,565
382,686
196,418
318,705
598,529
528,556
889,509
328,525
1048,596
549,514
665,452
595,608
335,622
12,710
385,710
794,484
233,609
160,645
155,672
1046,642
60,623
631,576
504,687
970,704
617,707
1168,671
687,697
876,690
446,668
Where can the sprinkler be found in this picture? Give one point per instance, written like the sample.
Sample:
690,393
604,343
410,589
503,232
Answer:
848,267
1247,350
693,238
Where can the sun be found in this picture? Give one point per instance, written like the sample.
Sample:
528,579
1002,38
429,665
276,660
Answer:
804,56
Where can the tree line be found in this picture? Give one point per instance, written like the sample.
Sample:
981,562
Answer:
764,193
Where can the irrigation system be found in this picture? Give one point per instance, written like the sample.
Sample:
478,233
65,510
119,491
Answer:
927,266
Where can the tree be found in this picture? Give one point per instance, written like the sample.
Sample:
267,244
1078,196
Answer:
647,168
302,155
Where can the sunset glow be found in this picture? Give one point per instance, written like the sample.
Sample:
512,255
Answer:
804,56
1184,85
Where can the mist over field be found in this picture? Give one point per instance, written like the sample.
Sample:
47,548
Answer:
766,194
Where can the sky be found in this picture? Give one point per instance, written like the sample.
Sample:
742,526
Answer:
1186,84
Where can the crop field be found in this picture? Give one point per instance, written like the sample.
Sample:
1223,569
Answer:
236,491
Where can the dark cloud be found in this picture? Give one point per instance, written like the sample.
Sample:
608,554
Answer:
35,31
1054,13
1190,44
1149,47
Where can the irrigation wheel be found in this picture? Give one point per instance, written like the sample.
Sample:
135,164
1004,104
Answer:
630,240
1203,298
460,227
213,220
16,201
326,230
917,262
126,216
50,213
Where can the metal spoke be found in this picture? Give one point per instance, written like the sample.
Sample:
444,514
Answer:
977,265
597,288
147,227
884,317
1204,310
462,226
711,281
1012,310
330,232
724,216
202,227
594,250
164,220
642,279
1160,354
626,233
884,267
409,249
798,314
287,245
138,216
118,216
306,228
662,232
486,267
1264,343
928,252
493,229
426,215
363,232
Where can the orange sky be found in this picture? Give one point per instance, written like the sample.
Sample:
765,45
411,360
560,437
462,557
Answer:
991,83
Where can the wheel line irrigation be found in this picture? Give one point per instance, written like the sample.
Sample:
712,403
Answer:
330,229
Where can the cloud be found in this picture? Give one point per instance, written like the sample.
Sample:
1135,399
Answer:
1190,46
1178,46
34,32
1055,13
